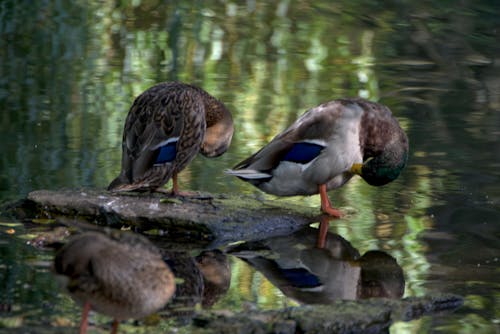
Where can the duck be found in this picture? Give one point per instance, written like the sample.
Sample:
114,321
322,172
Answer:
189,285
325,147
119,274
216,270
321,275
166,126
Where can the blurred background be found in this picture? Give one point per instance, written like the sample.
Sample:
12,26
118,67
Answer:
69,70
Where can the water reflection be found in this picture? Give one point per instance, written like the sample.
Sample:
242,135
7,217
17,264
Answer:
89,260
216,270
105,266
294,264
201,279
321,275
71,69
119,274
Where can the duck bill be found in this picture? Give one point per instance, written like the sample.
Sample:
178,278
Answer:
356,169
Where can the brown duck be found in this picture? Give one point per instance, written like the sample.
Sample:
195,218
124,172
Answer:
118,274
166,127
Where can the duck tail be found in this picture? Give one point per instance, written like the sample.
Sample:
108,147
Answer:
122,183
249,174
117,183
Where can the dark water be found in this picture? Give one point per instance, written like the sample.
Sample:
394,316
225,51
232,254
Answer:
69,71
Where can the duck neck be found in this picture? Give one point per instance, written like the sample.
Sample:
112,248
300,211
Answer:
215,111
219,127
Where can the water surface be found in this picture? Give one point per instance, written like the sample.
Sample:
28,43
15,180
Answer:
70,70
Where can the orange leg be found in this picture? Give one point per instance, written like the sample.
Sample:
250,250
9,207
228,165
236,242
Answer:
324,223
114,328
326,206
85,315
175,185
175,189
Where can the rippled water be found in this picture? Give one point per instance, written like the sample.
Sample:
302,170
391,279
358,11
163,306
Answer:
69,71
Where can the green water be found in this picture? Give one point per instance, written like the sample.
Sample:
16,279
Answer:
70,70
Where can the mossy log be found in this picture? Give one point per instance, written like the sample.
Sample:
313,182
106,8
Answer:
219,220
364,316
214,218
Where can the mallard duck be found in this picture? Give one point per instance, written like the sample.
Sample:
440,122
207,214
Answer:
119,274
313,275
381,276
189,289
166,127
325,148
216,270
200,280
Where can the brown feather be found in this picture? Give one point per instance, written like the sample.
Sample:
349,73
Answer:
166,111
121,274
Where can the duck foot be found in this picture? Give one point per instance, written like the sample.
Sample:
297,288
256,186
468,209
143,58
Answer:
326,206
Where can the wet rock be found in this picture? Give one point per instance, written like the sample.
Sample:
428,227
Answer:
215,219
415,307
365,316
341,317
218,220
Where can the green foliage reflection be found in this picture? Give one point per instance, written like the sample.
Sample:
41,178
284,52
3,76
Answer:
70,70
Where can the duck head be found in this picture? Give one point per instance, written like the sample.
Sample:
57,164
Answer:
383,168
219,131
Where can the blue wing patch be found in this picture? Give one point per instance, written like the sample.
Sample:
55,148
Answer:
303,152
301,278
166,153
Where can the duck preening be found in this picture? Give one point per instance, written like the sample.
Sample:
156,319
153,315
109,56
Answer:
325,148
166,127
118,274
313,275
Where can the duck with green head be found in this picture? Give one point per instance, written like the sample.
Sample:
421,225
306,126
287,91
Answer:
166,127
325,148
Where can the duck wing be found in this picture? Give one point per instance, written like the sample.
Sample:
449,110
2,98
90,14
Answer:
151,124
165,127
301,142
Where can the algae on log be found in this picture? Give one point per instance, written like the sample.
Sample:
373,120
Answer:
217,218
343,316
220,220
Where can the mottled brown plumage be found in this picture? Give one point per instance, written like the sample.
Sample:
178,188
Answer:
166,127
119,274
216,270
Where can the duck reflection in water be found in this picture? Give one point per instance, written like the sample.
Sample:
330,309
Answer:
216,270
116,273
201,280
314,275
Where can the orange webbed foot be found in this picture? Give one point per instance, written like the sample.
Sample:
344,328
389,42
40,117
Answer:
177,193
184,193
326,206
332,212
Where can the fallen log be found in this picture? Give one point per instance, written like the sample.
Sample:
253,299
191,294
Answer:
343,316
216,219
